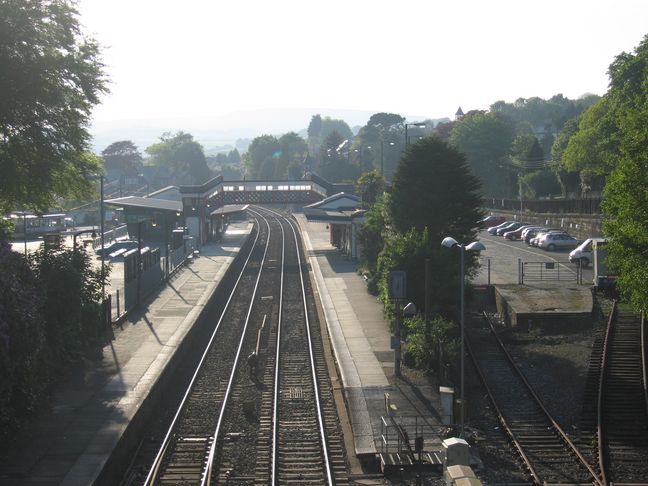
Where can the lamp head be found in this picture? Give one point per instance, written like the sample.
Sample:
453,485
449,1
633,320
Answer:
409,310
449,242
476,246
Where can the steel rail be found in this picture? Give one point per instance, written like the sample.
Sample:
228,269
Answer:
644,357
501,418
599,412
320,418
275,399
621,417
152,476
317,397
206,479
537,400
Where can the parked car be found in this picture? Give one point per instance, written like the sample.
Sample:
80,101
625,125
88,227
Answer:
531,233
114,246
493,229
537,240
492,220
583,252
511,227
559,241
517,234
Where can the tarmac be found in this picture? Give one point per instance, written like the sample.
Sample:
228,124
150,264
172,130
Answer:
94,407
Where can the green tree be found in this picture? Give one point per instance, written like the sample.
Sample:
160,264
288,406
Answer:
593,150
539,183
320,128
315,126
433,195
51,77
569,180
626,202
370,186
371,239
234,157
434,188
180,151
293,149
67,275
24,373
122,156
336,166
379,143
486,139
259,156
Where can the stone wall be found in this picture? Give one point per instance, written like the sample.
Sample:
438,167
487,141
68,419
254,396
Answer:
580,226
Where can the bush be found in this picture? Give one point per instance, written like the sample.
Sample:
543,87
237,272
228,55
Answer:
24,371
72,297
429,343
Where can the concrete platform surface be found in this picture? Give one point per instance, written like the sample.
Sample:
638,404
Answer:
360,338
92,408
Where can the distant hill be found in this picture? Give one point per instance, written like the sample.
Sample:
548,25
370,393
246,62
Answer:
220,132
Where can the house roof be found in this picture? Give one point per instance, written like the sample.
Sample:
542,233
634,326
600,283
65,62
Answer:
340,202
339,207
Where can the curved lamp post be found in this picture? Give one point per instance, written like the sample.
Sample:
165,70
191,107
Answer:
450,242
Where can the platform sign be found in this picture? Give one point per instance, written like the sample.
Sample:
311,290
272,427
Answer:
397,285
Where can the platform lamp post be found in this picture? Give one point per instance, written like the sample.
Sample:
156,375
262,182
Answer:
418,124
382,156
450,242
92,177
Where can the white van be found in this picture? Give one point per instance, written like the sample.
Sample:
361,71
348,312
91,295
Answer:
584,252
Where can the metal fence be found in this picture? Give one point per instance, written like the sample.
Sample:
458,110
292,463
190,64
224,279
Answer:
548,271
111,235
137,284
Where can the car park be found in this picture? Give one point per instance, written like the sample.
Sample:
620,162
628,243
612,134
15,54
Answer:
511,227
493,229
491,220
517,234
583,252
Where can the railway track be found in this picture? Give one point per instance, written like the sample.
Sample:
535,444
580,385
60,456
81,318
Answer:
547,453
269,419
623,402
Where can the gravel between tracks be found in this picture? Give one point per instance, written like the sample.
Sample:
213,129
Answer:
556,365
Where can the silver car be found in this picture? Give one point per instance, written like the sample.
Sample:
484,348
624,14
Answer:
558,241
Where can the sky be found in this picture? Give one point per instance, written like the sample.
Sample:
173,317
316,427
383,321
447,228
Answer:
203,58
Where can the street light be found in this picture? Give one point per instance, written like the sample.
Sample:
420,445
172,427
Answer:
382,156
417,124
93,177
450,242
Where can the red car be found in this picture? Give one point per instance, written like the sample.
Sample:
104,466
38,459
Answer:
491,220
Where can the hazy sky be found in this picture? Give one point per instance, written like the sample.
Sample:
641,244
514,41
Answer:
422,57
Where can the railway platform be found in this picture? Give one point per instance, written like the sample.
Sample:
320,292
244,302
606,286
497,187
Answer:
93,408
360,337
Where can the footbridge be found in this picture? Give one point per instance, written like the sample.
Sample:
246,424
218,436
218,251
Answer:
204,206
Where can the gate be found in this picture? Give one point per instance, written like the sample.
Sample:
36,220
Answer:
548,271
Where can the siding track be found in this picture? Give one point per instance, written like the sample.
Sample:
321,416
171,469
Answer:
547,453
622,401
